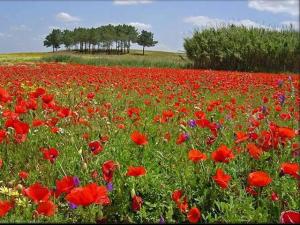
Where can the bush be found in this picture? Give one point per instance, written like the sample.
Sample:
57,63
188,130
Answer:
245,49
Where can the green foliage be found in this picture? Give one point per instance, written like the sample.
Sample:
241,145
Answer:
54,39
245,49
100,39
145,39
151,59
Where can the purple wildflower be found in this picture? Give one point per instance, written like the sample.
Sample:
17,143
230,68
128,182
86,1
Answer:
280,82
281,99
161,220
264,109
76,181
72,205
186,136
192,123
110,187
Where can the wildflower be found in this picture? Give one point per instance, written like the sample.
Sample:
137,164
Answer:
46,208
222,154
37,192
194,215
89,194
259,179
137,202
196,156
292,169
139,138
221,178
5,207
136,171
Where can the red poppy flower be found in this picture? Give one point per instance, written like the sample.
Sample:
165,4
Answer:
64,112
137,202
292,169
286,132
37,192
240,137
91,95
181,138
222,154
221,178
108,169
133,112
136,171
23,175
38,92
250,190
254,151
139,138
46,208
4,96
37,123
50,154
65,185
274,197
183,205
194,215
195,155
2,135
289,217
5,207
176,195
89,194
95,147
259,179
47,98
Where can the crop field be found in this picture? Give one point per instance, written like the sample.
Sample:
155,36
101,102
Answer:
83,143
133,59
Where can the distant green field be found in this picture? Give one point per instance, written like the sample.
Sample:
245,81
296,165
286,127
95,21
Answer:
12,58
133,59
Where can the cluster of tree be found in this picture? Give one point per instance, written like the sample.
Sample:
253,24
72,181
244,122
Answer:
248,49
108,38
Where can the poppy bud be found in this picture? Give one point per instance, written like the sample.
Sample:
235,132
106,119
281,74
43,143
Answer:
19,187
137,202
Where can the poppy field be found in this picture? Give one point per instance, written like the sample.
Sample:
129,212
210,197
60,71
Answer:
82,143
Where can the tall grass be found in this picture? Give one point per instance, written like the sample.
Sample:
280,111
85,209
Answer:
246,49
130,61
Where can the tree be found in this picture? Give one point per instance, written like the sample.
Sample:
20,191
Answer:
68,39
145,39
53,39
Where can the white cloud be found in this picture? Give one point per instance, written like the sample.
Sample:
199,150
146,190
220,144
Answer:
65,17
276,6
204,21
131,2
21,27
140,26
295,24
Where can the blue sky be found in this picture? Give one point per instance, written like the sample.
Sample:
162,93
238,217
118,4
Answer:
24,24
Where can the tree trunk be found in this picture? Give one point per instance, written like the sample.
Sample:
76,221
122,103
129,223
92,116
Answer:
143,50
53,48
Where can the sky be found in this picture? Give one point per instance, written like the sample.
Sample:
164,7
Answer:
24,24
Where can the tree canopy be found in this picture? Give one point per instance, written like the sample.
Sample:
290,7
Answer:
109,38
145,39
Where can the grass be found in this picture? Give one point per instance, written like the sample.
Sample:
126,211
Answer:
133,59
13,58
